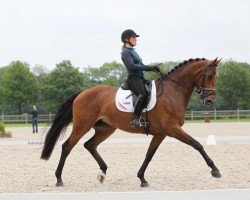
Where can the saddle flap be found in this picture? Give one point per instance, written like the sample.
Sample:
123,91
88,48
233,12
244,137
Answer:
124,99
148,87
125,85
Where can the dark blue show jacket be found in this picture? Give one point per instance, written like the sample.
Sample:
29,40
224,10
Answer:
133,62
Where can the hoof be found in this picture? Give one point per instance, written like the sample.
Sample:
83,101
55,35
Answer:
59,184
216,174
101,177
145,184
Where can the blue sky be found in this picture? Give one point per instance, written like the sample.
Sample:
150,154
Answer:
88,32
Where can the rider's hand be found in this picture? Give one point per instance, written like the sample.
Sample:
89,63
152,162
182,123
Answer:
157,69
153,68
150,68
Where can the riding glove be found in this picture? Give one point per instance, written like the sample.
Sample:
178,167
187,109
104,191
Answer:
153,68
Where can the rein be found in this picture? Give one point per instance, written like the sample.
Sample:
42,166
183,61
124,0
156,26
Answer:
199,91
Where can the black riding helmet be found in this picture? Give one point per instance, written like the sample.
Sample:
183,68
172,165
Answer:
128,34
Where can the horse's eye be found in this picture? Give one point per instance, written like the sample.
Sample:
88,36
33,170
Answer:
209,77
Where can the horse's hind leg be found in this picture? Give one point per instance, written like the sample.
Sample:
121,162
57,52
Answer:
76,135
64,154
102,132
184,137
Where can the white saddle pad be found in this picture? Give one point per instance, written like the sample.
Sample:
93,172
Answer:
125,103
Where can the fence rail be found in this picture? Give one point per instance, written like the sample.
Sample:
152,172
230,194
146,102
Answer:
217,114
25,118
190,115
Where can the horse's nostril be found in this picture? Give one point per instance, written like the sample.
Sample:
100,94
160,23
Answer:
209,102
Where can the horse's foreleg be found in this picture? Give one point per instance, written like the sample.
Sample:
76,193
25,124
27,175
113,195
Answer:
156,141
101,134
187,139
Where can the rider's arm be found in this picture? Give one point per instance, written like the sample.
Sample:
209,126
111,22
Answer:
129,62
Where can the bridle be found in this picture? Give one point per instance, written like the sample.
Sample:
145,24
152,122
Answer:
203,91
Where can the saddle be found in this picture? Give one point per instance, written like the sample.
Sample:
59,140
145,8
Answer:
148,87
126,99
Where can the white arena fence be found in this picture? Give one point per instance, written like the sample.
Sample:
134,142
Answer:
190,115
218,114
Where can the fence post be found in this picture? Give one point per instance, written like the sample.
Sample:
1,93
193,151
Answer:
26,118
215,114
3,118
192,114
50,117
206,117
238,114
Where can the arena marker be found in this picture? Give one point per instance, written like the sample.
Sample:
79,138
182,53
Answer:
211,140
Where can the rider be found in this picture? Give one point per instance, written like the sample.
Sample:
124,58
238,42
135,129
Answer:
135,68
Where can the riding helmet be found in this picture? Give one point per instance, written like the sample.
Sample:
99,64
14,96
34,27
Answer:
128,34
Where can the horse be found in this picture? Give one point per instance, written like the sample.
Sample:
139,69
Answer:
95,108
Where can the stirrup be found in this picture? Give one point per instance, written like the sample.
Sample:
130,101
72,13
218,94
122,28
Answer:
143,122
135,122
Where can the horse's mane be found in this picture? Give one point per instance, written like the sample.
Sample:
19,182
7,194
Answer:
184,63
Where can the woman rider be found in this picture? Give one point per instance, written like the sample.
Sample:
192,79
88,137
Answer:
135,68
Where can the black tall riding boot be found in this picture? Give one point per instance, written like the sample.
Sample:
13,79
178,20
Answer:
138,110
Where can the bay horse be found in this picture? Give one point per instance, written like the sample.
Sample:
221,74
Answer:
95,108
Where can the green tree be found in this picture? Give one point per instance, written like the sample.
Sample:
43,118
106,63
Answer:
18,87
2,71
164,67
195,102
108,74
233,85
61,83
40,72
246,66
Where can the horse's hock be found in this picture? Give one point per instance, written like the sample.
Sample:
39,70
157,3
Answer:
206,117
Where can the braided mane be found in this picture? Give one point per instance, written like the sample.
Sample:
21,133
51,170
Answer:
184,63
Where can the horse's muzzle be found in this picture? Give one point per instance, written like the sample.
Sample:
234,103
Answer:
208,101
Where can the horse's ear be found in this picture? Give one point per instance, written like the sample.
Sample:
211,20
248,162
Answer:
215,61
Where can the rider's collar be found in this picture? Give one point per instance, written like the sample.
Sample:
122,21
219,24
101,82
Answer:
127,45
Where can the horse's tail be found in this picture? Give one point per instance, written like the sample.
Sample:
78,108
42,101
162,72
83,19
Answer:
61,120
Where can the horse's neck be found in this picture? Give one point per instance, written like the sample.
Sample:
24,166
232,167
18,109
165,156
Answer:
188,74
182,84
